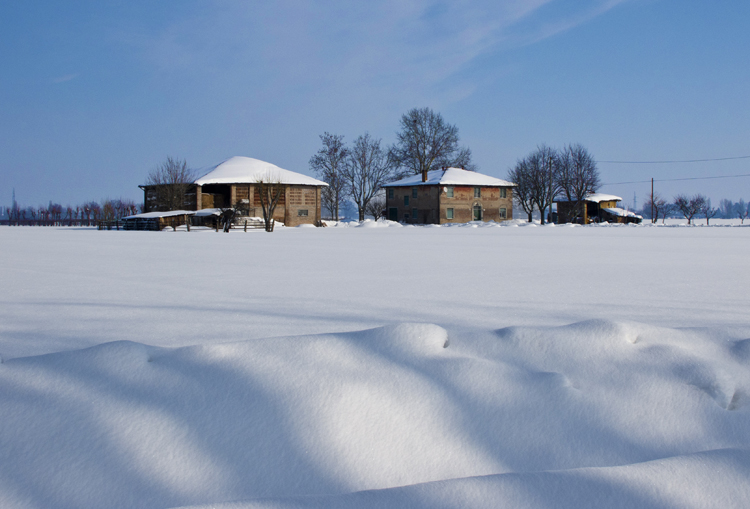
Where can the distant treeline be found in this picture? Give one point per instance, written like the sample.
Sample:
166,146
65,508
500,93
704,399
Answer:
54,214
697,205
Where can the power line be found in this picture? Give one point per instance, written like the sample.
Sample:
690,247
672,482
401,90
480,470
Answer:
675,180
680,161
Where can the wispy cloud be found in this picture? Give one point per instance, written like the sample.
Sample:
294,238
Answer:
63,79
406,46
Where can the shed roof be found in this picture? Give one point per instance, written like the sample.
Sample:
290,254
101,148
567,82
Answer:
451,177
600,197
157,214
595,197
246,170
616,211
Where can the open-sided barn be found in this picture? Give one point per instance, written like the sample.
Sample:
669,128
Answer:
236,183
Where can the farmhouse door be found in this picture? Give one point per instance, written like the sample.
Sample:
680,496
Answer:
477,212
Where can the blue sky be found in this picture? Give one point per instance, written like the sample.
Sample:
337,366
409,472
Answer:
97,93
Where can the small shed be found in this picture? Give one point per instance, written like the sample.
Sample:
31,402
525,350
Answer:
597,207
156,221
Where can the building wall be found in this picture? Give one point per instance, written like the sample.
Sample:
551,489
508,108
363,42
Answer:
432,204
297,204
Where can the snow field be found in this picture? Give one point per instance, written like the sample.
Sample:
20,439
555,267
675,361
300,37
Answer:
550,367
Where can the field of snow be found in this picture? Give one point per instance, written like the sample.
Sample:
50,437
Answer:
366,366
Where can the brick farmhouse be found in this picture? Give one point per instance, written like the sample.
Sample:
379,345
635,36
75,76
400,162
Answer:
449,195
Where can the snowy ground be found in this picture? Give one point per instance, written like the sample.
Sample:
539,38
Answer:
531,366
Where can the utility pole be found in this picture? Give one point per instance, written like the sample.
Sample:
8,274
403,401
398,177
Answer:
652,200
550,187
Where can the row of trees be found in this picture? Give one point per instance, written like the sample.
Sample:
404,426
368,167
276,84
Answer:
85,214
548,174
691,206
425,142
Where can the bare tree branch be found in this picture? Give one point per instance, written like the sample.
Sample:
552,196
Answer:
368,168
689,206
427,142
170,181
270,190
329,164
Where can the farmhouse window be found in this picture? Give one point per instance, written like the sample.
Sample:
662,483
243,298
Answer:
503,213
302,213
449,192
449,213
390,193
406,200
503,192
414,214
414,192
477,192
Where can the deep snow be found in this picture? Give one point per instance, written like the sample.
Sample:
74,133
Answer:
442,367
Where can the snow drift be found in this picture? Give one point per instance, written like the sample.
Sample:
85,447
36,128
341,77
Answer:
124,424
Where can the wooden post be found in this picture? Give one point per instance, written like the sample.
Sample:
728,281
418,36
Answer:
245,225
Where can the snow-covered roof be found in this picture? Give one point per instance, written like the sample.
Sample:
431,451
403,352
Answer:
616,211
600,197
595,197
451,177
208,212
246,170
169,213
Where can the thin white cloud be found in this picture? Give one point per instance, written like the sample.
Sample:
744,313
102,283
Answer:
407,46
63,79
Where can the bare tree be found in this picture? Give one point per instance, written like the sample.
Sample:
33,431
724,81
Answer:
427,142
690,206
543,165
536,177
577,177
660,207
726,208
708,211
171,181
329,164
523,193
742,210
270,191
108,210
376,207
367,169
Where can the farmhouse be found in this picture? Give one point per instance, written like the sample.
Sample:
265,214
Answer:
597,207
449,195
235,183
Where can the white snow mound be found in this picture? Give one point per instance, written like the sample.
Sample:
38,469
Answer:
128,425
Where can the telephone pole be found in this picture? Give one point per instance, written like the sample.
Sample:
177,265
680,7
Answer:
652,200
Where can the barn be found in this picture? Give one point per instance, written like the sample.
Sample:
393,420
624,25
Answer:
235,183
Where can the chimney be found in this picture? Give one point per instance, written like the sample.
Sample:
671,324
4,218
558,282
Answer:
424,175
